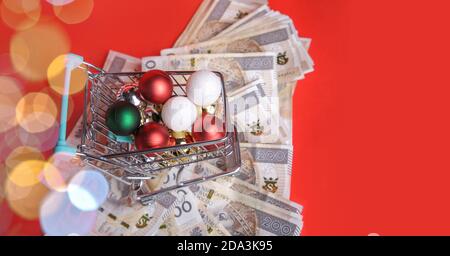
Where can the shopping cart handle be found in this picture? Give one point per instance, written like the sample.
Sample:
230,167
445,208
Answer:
72,61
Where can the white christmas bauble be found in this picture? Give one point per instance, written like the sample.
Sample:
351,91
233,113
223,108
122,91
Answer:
204,88
179,113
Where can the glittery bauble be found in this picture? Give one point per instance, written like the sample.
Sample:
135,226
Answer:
123,118
208,128
152,135
156,86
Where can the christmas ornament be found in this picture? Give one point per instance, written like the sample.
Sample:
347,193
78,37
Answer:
156,86
146,117
186,140
151,135
204,88
123,118
208,127
179,113
179,135
129,93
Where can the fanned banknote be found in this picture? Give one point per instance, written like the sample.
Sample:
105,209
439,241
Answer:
279,40
250,189
244,215
186,219
260,194
252,112
213,16
261,11
117,62
286,114
237,69
117,218
261,21
189,216
267,166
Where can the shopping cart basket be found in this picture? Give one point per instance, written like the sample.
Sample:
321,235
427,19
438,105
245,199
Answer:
118,158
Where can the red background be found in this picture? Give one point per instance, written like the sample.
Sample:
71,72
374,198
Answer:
371,123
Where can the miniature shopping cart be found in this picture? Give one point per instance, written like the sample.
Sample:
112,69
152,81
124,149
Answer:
117,157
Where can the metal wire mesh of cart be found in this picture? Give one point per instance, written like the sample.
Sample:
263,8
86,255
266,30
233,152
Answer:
119,158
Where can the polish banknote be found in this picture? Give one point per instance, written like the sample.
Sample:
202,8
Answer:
237,69
241,184
242,215
122,215
117,218
262,18
286,114
186,219
252,112
267,166
278,40
117,62
189,217
260,194
213,16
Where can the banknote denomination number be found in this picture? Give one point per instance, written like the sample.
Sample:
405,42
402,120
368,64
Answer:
184,207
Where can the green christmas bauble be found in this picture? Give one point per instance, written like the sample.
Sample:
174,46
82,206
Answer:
123,118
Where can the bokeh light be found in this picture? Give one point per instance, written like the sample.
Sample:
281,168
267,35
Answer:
10,95
6,66
53,178
74,12
88,190
43,141
59,2
36,112
27,173
22,154
10,141
25,201
17,137
56,75
20,14
34,49
14,192
57,98
23,189
59,217
19,6
61,167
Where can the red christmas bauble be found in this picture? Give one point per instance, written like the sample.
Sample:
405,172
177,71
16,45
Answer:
156,86
152,135
208,127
